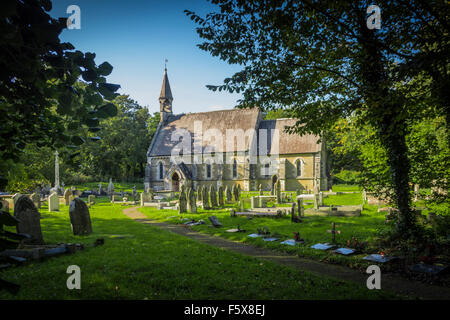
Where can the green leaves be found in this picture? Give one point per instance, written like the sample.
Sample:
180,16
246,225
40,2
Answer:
105,69
76,140
108,90
107,110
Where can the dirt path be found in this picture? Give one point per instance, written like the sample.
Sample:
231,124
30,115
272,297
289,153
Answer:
393,283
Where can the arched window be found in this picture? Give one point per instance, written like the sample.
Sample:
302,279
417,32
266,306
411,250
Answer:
208,170
161,170
298,167
267,169
234,168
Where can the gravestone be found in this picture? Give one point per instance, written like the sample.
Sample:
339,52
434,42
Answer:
228,194
29,220
53,202
4,205
214,221
67,195
235,193
110,187
416,192
192,202
36,198
320,198
316,201
80,217
199,193
221,202
294,218
333,232
301,210
205,198
182,208
260,190
278,191
255,202
241,205
91,199
213,196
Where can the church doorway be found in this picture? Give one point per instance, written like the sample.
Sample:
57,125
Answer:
175,182
274,181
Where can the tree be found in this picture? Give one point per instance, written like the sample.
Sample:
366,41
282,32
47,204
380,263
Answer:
321,61
122,151
39,97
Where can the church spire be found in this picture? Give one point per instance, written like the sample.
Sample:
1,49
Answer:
165,98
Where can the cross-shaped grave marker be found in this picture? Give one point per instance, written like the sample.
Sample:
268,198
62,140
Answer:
333,232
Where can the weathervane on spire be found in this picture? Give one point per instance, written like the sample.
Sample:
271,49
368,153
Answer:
165,64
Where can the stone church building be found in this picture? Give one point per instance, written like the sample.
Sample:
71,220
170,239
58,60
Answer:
299,163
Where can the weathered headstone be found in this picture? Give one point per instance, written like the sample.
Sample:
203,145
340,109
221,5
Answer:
134,193
228,194
260,190
182,208
67,195
301,210
416,192
36,198
235,193
316,201
192,202
91,199
294,218
255,202
199,193
214,221
80,217
53,202
278,191
4,205
205,198
221,202
29,220
213,196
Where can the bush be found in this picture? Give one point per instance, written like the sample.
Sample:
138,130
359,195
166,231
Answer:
347,177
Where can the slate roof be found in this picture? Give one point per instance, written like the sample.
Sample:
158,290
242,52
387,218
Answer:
220,120
289,143
232,119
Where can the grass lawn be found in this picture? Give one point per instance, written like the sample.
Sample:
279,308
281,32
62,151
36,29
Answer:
313,229
150,263
118,186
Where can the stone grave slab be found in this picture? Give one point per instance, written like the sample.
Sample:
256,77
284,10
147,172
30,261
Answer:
270,239
378,258
429,268
254,235
322,246
291,242
345,251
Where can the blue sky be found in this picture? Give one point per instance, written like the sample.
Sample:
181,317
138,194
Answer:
135,36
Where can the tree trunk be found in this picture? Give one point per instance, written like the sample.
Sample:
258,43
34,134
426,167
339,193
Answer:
386,114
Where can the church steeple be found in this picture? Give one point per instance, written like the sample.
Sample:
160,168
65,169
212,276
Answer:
165,98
